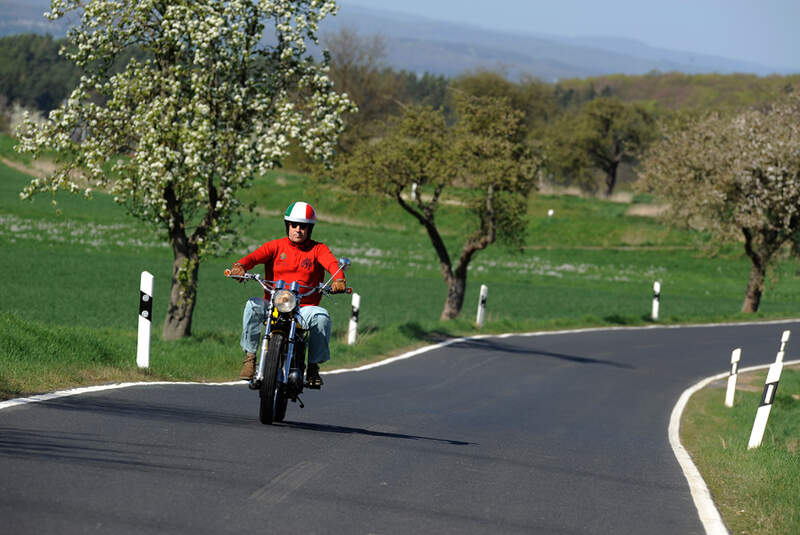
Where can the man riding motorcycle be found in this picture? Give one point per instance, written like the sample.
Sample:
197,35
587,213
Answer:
295,257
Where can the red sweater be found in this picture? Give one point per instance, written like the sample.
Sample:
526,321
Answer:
285,260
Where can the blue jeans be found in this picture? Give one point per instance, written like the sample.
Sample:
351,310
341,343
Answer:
314,319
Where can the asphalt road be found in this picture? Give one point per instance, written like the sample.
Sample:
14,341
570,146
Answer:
546,434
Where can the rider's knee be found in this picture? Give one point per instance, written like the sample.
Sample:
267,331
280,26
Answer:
254,310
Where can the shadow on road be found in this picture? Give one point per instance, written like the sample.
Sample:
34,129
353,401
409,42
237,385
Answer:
96,449
147,410
499,346
323,428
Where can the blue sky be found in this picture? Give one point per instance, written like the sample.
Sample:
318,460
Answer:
763,31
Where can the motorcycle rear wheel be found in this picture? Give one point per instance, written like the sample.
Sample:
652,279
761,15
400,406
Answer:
268,394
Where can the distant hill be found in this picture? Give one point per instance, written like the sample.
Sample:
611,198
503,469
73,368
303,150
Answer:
418,44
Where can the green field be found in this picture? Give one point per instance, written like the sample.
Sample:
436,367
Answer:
72,279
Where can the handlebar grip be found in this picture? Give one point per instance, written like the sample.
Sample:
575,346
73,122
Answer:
348,291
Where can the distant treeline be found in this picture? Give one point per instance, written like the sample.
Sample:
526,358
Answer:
33,74
676,90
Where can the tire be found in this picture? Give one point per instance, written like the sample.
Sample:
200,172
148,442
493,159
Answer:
280,405
269,386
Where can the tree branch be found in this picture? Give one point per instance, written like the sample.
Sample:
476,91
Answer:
482,238
433,234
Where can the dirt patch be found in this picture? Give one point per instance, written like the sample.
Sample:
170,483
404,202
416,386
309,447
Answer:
647,210
40,168
22,168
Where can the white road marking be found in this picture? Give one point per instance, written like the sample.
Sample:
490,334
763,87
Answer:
287,482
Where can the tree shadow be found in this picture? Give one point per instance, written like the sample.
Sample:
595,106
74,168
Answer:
414,330
146,410
96,449
495,345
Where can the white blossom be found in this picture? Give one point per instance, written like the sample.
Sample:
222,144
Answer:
207,106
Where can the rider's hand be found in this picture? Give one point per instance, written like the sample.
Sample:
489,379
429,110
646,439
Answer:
338,286
238,270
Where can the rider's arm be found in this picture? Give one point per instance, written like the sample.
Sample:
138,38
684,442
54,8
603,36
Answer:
328,261
262,255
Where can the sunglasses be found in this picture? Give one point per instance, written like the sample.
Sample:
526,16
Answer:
303,226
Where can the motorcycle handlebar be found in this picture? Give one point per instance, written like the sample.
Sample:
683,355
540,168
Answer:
249,276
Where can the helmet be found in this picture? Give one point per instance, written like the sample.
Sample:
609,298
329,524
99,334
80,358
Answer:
300,212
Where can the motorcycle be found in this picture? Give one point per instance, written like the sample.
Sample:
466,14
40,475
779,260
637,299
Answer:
280,369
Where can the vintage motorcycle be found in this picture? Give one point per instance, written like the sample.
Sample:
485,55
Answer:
280,371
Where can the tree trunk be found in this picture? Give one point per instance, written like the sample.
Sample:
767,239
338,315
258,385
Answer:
456,287
611,178
755,287
182,297
760,246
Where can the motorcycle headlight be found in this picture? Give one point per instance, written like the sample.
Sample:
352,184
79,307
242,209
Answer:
284,301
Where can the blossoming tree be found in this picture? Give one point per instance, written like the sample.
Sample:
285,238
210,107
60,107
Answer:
737,177
219,90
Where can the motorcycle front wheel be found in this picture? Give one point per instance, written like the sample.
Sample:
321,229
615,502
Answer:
268,393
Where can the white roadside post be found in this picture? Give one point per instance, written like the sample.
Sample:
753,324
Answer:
482,305
352,329
762,415
736,356
770,388
145,319
656,298
785,340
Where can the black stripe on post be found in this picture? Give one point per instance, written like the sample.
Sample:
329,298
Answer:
734,368
354,314
769,393
145,305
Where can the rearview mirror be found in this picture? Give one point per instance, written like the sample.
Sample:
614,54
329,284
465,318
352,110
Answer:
344,263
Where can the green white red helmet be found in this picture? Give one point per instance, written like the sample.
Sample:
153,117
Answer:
300,212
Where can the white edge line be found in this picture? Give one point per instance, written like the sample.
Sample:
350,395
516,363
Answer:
709,515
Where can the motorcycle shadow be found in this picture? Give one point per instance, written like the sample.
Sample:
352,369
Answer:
343,430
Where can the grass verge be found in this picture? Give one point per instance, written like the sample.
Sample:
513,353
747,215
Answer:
755,490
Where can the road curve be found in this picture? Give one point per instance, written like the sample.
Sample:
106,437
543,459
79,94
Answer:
558,433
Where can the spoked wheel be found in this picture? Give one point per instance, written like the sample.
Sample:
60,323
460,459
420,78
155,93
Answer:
269,403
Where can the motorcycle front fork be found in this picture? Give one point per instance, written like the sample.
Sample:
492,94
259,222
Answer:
262,356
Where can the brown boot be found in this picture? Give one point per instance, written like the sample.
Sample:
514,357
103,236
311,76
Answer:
248,367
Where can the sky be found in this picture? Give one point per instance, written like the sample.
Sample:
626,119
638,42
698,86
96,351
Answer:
762,31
